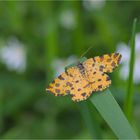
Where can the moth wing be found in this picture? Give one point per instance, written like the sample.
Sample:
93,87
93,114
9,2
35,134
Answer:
105,63
59,85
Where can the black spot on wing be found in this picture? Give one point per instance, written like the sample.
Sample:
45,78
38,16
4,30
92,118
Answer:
87,85
57,90
60,77
69,84
83,94
72,95
93,64
99,80
70,75
100,86
76,81
101,68
66,72
94,72
79,89
101,58
108,78
119,59
93,59
115,55
57,84
113,64
109,60
72,88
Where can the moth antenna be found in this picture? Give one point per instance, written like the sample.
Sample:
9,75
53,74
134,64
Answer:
86,51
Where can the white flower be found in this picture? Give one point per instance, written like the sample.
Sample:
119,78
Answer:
68,19
125,51
93,4
13,55
59,64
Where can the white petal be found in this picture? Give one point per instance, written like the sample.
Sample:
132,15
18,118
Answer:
137,71
137,42
59,64
68,19
123,49
124,71
13,55
93,4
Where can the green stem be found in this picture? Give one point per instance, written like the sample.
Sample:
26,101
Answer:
130,90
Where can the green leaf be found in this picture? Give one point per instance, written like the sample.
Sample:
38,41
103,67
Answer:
129,96
112,114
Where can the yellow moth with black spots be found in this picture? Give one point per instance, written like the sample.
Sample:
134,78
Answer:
81,80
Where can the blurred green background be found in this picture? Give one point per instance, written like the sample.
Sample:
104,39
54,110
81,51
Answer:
37,40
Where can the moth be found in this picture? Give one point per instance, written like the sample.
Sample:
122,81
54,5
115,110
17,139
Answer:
85,78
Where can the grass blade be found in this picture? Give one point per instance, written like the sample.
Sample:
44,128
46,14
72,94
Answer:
113,115
129,96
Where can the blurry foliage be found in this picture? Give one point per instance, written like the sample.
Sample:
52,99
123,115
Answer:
26,110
